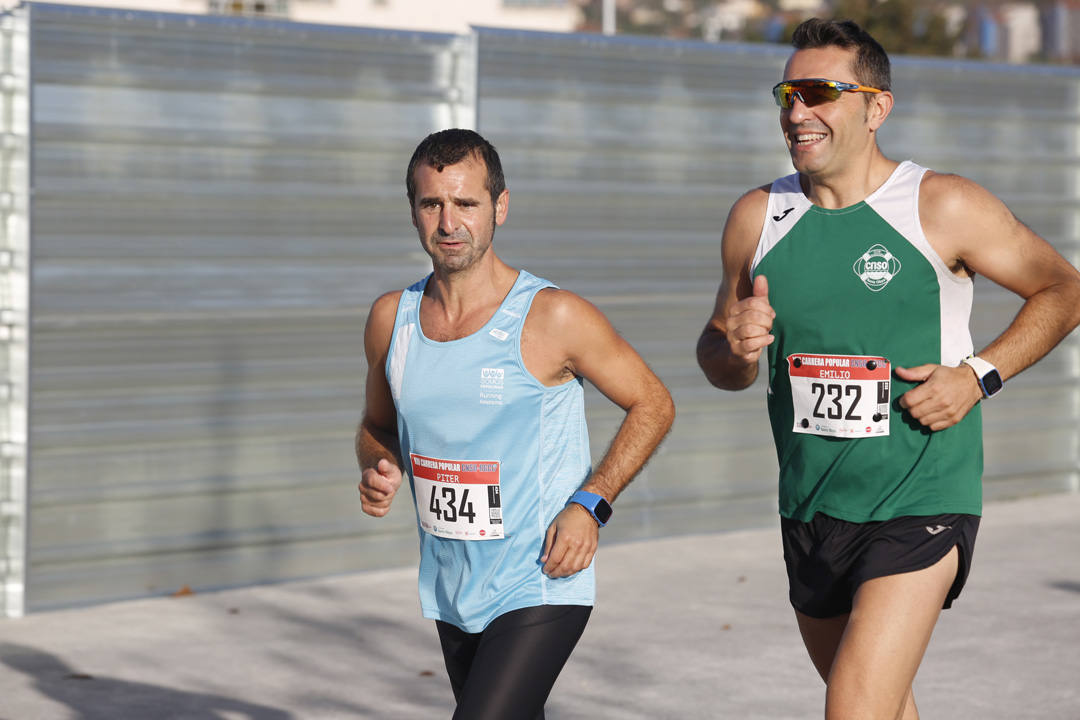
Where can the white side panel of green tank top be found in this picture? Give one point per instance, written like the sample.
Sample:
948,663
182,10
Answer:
897,203
786,206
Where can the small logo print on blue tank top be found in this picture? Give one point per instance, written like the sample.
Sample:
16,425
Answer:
491,386
876,267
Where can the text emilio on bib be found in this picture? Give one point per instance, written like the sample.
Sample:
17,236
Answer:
458,499
840,395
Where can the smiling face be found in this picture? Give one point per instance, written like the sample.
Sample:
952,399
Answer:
825,139
454,215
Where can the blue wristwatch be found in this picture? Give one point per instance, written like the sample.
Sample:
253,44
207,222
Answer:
597,506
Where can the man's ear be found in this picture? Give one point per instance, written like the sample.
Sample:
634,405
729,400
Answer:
881,104
502,207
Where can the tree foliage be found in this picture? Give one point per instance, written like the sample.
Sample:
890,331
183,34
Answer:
910,27
903,27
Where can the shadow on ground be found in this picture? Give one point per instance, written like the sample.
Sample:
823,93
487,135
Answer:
91,697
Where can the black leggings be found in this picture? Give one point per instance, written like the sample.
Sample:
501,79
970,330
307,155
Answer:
507,671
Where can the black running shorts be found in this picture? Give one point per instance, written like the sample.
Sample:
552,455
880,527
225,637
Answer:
828,559
508,669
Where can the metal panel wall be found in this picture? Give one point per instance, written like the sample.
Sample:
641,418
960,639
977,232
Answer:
218,202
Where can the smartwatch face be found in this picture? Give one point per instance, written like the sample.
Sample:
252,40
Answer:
991,382
602,511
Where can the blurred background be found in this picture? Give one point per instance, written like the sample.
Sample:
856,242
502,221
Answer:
1014,32
197,209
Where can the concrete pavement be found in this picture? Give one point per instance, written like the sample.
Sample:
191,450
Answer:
685,627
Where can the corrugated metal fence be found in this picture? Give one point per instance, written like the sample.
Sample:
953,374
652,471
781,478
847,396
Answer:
215,203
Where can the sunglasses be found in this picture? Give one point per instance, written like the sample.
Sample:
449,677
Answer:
814,91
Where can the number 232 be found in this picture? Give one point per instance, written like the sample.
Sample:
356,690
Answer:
836,392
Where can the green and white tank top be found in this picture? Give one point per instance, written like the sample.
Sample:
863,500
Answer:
859,291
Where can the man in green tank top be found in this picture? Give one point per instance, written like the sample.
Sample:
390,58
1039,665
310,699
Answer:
854,276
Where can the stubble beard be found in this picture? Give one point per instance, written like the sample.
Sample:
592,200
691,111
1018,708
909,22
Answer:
458,261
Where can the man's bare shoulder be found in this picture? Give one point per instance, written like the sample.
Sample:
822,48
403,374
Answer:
386,304
555,307
945,196
751,205
743,228
380,322
566,319
960,217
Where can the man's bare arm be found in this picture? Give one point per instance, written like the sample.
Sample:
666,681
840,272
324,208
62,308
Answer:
377,449
970,227
739,329
589,347
992,242
609,362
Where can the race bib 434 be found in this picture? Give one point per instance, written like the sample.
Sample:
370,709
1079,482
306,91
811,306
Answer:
458,499
840,395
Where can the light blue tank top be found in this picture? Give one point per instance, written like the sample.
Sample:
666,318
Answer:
492,456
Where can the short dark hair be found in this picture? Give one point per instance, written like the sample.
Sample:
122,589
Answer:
871,65
449,147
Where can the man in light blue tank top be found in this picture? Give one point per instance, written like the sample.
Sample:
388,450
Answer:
474,393
853,276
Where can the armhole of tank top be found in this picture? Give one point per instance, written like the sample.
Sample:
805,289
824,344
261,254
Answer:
519,357
395,335
924,245
776,189
956,340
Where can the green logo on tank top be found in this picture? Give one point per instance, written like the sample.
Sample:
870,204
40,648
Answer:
876,267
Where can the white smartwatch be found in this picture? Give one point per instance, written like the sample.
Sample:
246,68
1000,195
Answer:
989,378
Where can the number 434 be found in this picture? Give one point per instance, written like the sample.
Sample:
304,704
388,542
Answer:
449,508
